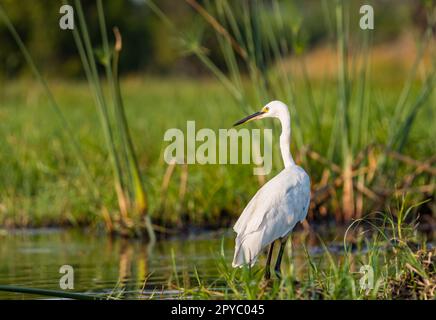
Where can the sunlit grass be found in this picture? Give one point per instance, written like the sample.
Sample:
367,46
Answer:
256,39
42,185
397,261
62,160
390,261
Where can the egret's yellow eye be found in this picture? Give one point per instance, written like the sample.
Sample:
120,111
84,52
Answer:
265,109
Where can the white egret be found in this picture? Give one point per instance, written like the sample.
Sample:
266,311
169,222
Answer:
278,206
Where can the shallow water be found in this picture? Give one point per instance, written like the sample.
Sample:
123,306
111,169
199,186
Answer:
121,267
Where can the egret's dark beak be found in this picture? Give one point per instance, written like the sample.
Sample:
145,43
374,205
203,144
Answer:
249,118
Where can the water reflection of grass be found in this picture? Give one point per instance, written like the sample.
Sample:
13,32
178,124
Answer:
316,267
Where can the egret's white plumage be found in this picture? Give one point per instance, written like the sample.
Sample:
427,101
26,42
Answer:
279,205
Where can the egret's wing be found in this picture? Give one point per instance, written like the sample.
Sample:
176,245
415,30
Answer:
283,197
248,219
273,212
265,199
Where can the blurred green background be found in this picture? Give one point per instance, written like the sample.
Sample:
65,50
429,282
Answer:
151,48
165,82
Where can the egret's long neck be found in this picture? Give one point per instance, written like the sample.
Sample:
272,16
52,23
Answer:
285,140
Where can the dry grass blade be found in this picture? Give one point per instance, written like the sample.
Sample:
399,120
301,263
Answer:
218,27
422,166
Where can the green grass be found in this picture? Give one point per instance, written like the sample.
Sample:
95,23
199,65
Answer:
41,184
401,263
63,163
256,40
133,218
71,159
41,179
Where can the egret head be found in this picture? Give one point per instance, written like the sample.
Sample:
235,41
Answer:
274,109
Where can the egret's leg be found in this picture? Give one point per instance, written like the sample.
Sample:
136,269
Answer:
268,262
279,258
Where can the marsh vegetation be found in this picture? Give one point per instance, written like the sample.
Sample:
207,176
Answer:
87,152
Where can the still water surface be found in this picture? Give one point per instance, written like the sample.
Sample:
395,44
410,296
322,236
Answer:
121,267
